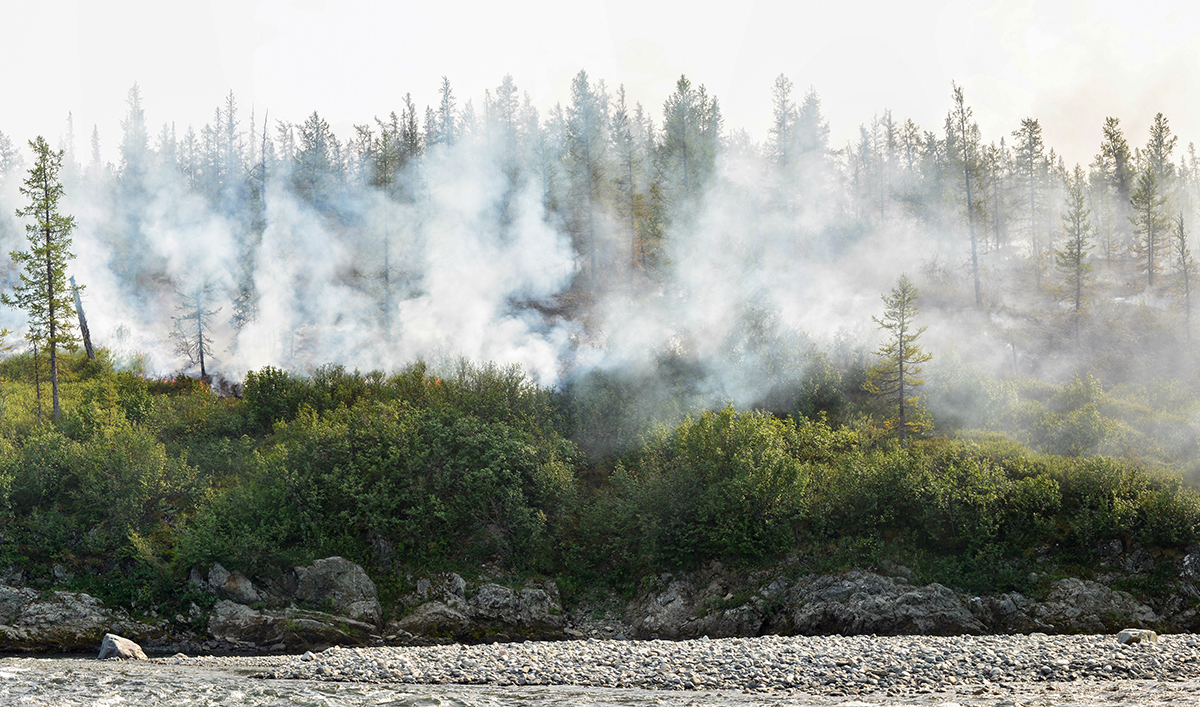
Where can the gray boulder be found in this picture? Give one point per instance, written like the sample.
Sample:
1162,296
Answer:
115,647
447,606
1082,606
433,619
232,585
13,601
662,613
339,586
862,602
712,602
58,621
1007,613
1129,636
290,629
534,610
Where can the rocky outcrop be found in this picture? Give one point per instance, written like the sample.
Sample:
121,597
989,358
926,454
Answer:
448,607
233,585
849,603
115,647
433,618
333,601
289,629
717,604
59,621
338,586
1081,606
864,603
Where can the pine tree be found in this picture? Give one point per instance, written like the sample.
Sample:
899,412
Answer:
627,177
586,164
687,153
1115,170
410,133
43,293
1158,152
447,122
900,357
1185,272
1149,221
965,137
10,158
783,125
1030,174
316,161
996,169
1071,259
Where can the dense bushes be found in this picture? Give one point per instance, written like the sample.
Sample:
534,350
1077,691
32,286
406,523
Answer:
144,479
387,482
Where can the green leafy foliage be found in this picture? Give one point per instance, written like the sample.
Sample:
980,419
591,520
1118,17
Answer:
145,479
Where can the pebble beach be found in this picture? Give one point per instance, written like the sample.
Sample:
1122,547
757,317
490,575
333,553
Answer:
928,670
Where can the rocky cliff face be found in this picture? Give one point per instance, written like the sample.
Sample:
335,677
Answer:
58,622
856,602
333,601
447,606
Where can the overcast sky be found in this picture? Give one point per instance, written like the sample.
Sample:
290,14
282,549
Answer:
1067,63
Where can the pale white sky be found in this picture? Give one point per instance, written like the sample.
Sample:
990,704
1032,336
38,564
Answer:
1068,63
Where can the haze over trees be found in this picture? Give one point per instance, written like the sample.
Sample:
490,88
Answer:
606,340
651,243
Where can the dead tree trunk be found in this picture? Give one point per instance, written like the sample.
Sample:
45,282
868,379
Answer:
83,327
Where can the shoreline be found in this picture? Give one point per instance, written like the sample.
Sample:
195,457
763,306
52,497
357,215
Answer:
853,665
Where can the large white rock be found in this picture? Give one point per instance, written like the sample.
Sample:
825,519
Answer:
115,647
1130,636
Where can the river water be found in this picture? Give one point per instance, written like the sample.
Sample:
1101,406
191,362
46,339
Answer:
91,683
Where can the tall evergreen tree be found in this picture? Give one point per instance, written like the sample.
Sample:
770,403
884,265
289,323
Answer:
687,152
410,133
42,292
781,136
1150,222
898,371
10,157
996,169
627,175
586,161
1158,152
965,135
447,119
1030,178
316,161
135,143
1114,165
1185,272
1071,259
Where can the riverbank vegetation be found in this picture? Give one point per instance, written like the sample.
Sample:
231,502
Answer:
692,313
454,469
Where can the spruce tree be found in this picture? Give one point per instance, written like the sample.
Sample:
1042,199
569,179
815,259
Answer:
42,292
1185,273
900,357
964,134
1071,259
1149,221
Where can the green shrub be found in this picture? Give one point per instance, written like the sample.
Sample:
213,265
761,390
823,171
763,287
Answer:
720,485
437,485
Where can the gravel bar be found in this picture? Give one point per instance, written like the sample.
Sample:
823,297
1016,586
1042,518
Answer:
849,665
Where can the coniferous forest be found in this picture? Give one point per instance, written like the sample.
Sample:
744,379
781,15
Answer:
597,342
